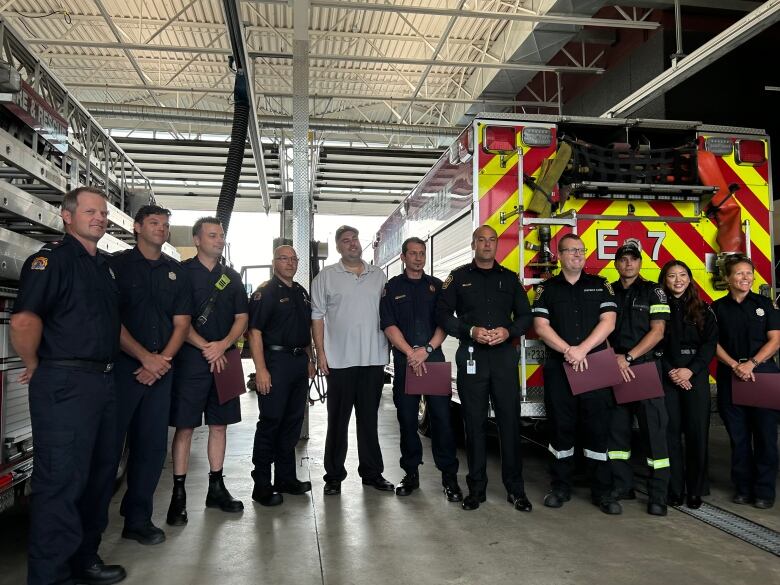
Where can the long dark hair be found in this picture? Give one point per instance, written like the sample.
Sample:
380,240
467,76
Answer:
695,308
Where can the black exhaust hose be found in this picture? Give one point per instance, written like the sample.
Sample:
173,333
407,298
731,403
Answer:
235,159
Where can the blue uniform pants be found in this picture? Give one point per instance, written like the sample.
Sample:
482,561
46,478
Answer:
73,415
438,407
142,414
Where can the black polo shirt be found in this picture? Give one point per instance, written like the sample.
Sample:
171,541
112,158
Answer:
282,313
743,327
151,292
574,310
410,305
481,297
686,345
638,304
76,296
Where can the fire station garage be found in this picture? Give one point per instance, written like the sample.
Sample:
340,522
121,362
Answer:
486,292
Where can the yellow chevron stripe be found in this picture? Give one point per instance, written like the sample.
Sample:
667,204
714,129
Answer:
512,260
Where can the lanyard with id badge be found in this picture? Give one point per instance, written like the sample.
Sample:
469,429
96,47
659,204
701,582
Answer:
471,364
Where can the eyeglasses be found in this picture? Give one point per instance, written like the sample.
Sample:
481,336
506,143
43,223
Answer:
575,251
287,258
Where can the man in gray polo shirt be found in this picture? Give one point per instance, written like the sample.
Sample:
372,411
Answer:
352,352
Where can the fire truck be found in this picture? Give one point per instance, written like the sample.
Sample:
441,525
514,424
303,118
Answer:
679,190
49,144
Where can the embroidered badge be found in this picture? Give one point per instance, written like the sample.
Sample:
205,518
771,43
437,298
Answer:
661,295
447,282
609,288
539,291
39,263
760,312
432,288
257,296
172,275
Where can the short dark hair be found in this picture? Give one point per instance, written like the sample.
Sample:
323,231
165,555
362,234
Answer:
569,236
147,210
412,240
71,199
199,224
731,261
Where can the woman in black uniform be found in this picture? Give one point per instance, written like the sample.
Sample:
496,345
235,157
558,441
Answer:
690,339
749,326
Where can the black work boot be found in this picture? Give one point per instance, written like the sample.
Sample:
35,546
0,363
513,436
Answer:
219,496
409,483
177,511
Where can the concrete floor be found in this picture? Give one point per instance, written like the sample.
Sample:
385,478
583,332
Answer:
367,537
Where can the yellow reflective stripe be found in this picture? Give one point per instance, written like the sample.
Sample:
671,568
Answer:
658,463
619,455
660,309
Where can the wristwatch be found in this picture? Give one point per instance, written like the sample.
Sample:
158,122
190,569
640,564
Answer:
629,358
755,362
428,348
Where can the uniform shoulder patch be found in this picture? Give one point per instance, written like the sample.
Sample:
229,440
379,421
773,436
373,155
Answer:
609,288
257,295
39,263
539,291
447,282
659,292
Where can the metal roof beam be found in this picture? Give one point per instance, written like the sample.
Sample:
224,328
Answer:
743,30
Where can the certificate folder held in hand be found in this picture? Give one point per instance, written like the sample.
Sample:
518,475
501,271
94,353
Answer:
437,381
230,381
763,393
602,372
646,384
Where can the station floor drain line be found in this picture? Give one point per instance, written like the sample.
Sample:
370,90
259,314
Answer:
307,459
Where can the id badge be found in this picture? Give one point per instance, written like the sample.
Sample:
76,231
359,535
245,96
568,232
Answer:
471,364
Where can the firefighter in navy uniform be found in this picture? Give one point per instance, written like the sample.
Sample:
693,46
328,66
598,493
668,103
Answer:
65,327
574,312
490,307
408,318
280,340
155,307
642,314
748,339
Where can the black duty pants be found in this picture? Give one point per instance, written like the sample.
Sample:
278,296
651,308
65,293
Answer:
565,412
142,414
359,387
688,435
281,416
73,415
753,435
438,407
497,380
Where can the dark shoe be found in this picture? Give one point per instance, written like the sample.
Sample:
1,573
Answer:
676,501
656,509
520,502
409,483
177,511
609,505
763,504
693,502
556,499
472,501
379,483
293,487
100,574
742,499
266,496
332,488
146,534
219,497
452,489
629,495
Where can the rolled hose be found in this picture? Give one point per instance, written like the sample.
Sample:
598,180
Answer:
724,207
235,158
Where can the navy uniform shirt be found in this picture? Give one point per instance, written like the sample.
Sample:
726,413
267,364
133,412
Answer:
574,310
640,303
282,313
76,296
743,327
410,305
689,344
151,292
481,297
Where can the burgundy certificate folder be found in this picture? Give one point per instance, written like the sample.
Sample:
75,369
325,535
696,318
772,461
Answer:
437,381
646,384
763,393
230,381
602,372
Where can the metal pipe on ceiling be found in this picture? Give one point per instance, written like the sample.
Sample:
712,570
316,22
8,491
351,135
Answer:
156,114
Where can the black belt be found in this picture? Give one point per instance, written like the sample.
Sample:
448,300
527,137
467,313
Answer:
292,350
92,366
